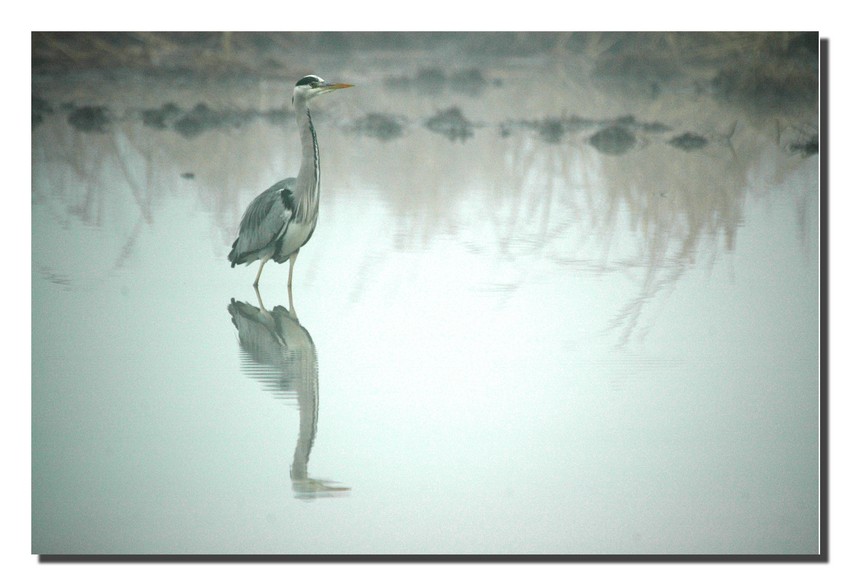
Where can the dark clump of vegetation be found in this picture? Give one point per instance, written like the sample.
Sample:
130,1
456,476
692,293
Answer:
806,148
379,126
202,118
169,116
162,117
450,123
629,122
688,141
551,130
90,118
40,109
613,140
613,135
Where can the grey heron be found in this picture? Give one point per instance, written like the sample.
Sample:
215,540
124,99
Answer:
282,218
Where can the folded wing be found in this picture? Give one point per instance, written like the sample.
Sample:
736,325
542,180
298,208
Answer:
264,223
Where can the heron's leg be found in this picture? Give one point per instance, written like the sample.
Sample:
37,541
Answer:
260,272
292,258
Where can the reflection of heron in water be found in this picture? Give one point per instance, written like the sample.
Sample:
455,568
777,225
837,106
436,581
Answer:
279,351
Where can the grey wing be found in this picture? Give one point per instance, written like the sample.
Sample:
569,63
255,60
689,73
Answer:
264,222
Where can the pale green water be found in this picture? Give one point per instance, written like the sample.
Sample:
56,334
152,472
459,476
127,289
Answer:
520,345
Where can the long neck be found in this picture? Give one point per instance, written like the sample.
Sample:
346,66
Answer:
308,181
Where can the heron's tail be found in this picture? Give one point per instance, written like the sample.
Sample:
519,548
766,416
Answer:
232,257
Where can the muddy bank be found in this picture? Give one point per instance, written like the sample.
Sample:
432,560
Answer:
764,75
773,69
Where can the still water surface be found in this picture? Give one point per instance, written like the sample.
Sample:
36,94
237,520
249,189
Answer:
511,336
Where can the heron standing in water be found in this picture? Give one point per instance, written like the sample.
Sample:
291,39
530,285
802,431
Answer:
281,219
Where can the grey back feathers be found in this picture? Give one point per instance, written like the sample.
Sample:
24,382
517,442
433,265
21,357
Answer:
264,222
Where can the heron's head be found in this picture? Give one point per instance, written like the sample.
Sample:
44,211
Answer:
310,86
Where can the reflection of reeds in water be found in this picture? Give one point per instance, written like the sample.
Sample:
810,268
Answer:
516,198
102,181
534,192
